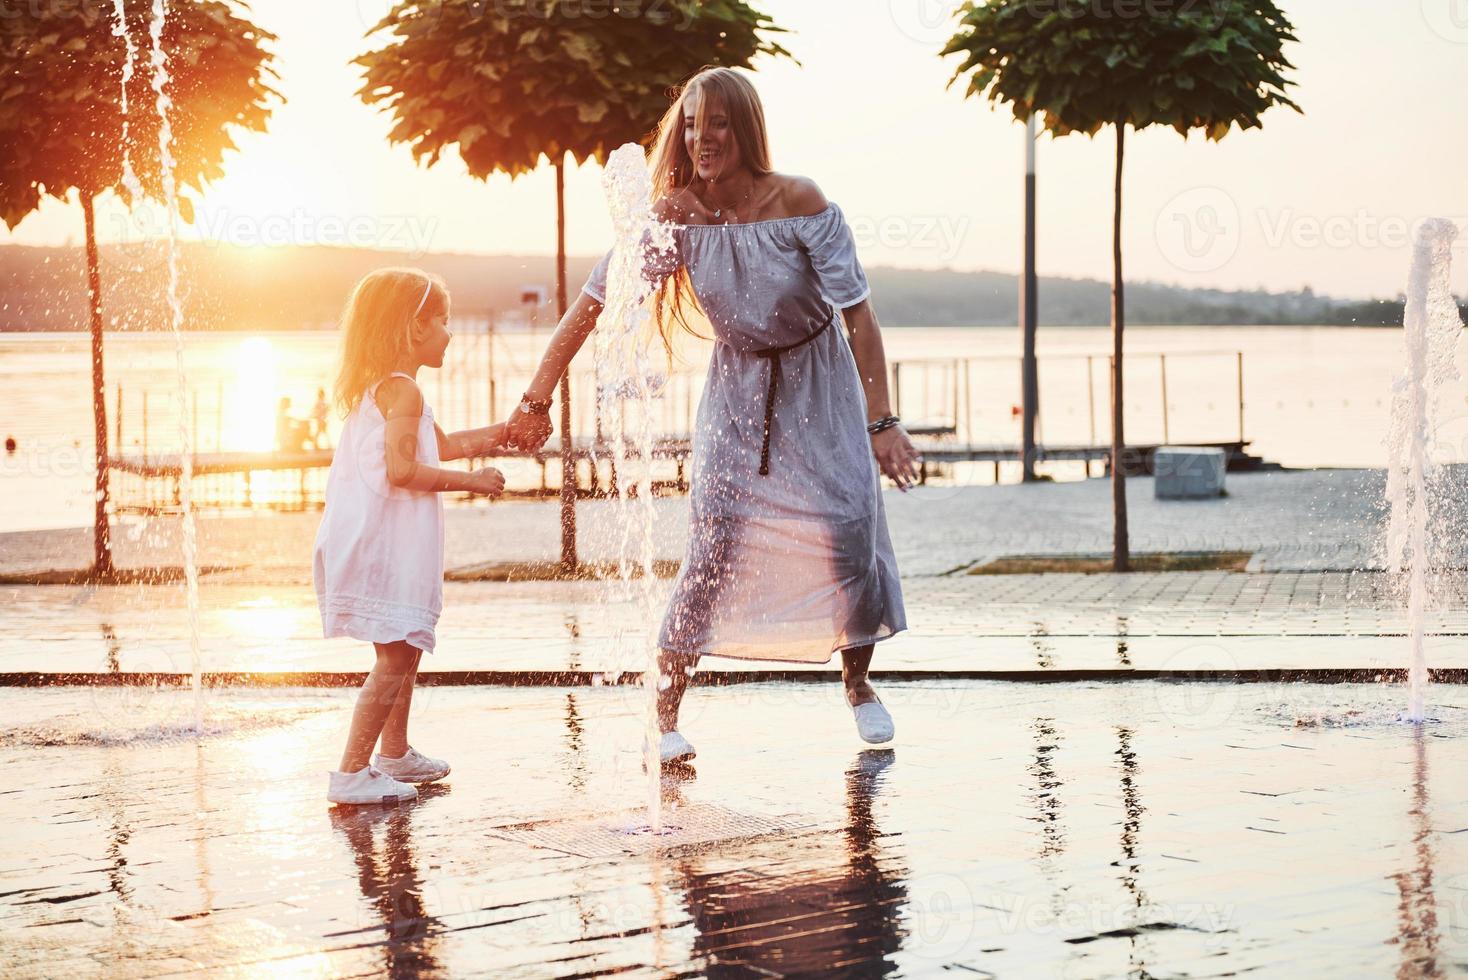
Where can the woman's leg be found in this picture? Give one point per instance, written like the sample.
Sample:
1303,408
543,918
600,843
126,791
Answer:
375,702
678,669
854,664
395,729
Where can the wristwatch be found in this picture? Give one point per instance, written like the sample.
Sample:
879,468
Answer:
530,406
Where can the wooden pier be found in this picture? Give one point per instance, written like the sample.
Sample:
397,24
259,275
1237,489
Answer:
156,483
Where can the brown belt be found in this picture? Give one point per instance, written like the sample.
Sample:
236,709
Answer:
772,354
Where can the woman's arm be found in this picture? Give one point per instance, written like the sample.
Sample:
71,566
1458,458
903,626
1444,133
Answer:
896,455
469,443
402,405
531,431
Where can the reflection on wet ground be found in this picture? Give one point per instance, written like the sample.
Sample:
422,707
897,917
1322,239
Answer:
1078,830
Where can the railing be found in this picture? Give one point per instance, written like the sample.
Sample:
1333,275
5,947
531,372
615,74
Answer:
967,401
939,395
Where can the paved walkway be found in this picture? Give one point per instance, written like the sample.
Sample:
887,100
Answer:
989,624
1071,830
1313,520
262,616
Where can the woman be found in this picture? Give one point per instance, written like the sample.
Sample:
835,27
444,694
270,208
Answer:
788,554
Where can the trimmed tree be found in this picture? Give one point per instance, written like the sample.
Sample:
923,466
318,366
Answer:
62,126
1083,65
510,83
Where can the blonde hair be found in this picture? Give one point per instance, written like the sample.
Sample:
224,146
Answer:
672,169
377,327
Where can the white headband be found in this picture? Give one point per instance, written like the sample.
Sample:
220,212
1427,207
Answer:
427,288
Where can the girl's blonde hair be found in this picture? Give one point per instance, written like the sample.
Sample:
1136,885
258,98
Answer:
377,327
672,169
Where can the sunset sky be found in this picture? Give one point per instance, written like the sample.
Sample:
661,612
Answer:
926,178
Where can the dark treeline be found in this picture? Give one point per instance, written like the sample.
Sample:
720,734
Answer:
232,288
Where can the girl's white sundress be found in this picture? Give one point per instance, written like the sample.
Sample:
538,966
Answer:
788,554
378,564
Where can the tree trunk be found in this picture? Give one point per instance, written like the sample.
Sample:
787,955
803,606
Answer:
568,460
1029,317
102,568
1121,551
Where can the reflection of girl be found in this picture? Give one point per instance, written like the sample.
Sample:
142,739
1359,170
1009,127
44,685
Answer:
788,554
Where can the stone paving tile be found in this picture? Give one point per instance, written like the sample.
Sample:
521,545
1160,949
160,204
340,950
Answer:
1203,620
1076,830
1298,520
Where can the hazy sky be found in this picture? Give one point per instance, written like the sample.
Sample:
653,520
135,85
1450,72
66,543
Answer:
927,178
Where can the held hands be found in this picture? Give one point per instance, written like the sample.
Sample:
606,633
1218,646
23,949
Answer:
527,431
897,457
488,482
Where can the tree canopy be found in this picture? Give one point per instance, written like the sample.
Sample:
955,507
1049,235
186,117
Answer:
60,98
510,82
1085,64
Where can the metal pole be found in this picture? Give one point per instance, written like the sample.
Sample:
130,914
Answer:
1162,364
494,403
1091,402
1240,355
1029,312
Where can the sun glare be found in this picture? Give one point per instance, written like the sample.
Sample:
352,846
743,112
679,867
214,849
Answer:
250,419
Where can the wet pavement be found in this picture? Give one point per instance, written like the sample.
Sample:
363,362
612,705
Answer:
1010,624
1073,830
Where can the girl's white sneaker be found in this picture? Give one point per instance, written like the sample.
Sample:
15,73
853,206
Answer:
874,722
412,767
367,785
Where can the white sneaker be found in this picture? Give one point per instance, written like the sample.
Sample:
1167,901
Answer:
673,747
874,722
412,767
367,785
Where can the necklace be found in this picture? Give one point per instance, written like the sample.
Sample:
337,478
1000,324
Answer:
719,211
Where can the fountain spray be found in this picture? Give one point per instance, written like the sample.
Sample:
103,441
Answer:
1431,325
627,385
166,166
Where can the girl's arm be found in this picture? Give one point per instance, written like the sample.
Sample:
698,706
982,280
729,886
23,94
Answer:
469,443
402,405
531,431
896,455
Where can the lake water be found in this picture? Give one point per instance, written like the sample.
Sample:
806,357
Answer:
1313,396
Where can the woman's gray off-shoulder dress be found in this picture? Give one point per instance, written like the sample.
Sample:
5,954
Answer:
788,553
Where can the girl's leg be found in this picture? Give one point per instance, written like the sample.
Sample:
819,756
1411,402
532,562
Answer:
854,664
395,730
677,668
375,702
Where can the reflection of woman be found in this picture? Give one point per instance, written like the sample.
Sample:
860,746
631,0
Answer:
788,554
824,910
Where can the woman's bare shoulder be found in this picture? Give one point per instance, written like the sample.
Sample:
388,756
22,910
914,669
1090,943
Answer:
801,196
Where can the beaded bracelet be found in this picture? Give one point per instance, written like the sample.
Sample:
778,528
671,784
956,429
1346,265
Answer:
883,424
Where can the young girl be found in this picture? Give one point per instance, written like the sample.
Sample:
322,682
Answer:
379,551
